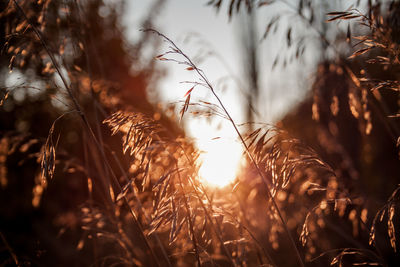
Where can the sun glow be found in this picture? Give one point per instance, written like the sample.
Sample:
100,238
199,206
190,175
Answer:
220,161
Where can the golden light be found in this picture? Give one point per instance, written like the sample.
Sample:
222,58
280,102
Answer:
220,161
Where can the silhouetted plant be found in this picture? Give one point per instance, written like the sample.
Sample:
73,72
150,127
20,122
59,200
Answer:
140,200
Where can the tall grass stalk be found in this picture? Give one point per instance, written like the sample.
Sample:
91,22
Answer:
92,136
203,78
163,214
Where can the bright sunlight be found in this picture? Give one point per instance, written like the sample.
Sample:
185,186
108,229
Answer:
220,161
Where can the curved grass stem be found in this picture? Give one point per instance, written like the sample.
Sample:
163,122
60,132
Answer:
203,77
89,129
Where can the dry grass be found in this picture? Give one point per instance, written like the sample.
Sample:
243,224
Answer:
146,205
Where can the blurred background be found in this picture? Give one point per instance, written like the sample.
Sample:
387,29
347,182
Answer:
286,63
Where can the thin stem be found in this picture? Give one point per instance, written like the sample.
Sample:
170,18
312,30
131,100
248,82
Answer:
89,129
188,215
141,208
261,246
13,255
216,229
264,179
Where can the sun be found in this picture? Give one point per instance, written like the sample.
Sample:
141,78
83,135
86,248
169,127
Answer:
220,162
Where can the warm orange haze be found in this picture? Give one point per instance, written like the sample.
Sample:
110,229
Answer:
199,133
220,161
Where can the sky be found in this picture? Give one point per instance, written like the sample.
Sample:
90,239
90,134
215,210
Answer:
193,20
196,27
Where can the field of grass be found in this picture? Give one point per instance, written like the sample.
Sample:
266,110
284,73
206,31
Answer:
93,174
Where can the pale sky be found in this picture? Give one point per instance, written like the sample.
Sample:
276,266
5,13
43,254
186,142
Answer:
180,19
